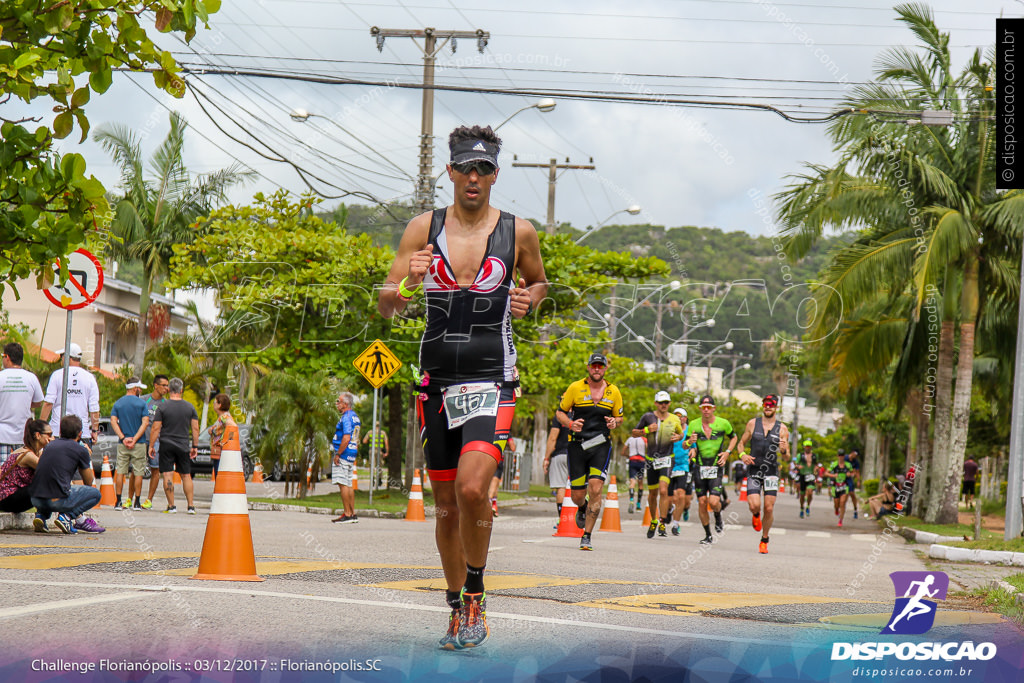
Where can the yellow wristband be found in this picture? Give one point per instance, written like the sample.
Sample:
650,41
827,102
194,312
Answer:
407,293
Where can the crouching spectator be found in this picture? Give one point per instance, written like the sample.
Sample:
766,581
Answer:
19,469
51,489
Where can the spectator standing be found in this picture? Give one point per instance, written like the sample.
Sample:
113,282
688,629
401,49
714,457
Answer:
971,469
154,401
176,426
556,461
379,438
83,395
51,489
20,394
129,418
346,440
18,471
224,430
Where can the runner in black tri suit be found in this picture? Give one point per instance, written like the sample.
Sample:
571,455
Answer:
769,441
466,258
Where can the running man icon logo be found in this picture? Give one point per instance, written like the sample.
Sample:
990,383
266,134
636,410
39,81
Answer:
914,613
377,363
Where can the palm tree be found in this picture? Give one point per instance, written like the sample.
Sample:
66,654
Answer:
935,221
156,213
295,421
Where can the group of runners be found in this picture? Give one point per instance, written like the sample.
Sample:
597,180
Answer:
471,269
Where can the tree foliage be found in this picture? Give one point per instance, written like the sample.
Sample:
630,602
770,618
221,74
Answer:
63,52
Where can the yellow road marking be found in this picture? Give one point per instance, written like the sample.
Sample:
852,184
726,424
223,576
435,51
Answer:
942,618
699,602
62,560
292,567
497,581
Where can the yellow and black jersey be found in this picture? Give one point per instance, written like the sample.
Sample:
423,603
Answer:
577,403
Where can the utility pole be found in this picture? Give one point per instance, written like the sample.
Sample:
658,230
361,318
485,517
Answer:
553,167
424,200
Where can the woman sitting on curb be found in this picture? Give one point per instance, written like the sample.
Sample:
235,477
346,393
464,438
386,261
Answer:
18,470
884,502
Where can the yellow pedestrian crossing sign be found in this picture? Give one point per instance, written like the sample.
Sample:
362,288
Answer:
377,363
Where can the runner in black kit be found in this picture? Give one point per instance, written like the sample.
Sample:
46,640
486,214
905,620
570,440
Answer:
590,409
466,257
769,439
659,458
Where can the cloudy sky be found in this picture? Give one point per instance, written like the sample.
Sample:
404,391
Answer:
682,165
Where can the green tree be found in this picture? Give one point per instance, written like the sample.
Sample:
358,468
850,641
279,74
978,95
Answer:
935,220
155,214
63,52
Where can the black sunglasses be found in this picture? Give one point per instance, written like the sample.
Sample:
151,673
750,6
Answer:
481,168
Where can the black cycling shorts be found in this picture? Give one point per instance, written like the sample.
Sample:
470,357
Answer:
680,482
656,476
708,487
443,446
585,465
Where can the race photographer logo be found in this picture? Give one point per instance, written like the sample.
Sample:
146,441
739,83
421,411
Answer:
914,612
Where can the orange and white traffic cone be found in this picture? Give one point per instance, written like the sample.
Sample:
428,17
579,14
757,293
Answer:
782,485
257,473
414,510
647,512
177,477
309,476
610,519
567,520
228,553
355,478
107,495
743,490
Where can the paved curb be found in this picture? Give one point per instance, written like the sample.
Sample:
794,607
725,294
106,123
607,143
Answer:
926,536
953,554
21,521
283,507
998,584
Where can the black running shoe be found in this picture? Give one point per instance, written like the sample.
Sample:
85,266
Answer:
581,515
652,528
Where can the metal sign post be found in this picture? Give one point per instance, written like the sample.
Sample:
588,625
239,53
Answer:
84,283
373,446
377,364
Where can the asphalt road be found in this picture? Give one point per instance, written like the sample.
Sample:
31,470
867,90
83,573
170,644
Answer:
370,595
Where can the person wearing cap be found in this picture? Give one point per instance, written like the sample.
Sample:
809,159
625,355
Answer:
806,473
477,268
662,429
680,486
841,474
635,451
83,395
769,439
708,433
129,418
590,409
20,394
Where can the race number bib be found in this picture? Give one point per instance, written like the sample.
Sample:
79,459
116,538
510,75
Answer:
771,483
662,463
808,477
708,471
593,441
463,402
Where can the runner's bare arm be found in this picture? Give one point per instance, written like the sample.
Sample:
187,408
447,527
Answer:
411,263
748,434
784,441
532,283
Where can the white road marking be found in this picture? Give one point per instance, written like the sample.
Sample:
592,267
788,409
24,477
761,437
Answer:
396,605
870,538
21,611
819,534
778,532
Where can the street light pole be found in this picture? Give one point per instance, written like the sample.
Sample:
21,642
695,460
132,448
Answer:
728,347
632,211
545,105
553,166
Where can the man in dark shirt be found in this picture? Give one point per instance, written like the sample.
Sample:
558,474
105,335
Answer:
51,489
971,469
176,425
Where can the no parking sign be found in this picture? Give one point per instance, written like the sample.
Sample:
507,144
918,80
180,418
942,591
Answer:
85,280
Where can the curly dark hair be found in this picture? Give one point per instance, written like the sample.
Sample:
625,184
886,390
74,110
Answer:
475,133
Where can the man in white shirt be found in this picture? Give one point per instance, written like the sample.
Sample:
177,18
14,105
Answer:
83,394
20,394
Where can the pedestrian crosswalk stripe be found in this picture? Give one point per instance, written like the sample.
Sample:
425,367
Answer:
819,534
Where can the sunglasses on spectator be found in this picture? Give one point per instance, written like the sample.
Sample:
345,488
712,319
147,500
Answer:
481,167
